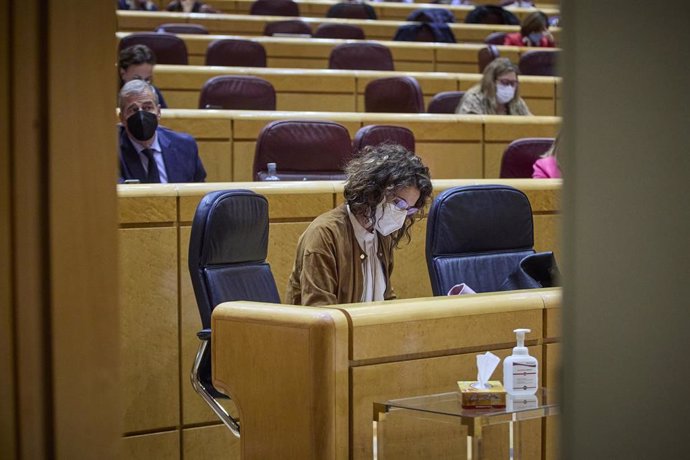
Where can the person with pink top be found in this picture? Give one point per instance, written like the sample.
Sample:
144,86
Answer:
547,167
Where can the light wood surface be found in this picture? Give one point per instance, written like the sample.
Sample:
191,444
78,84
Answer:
247,25
433,356
452,146
384,10
337,90
306,53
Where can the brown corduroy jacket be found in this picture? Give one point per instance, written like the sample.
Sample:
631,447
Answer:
328,265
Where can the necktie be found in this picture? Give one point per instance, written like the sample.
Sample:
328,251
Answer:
152,177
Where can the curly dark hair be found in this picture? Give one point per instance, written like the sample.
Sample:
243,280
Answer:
377,172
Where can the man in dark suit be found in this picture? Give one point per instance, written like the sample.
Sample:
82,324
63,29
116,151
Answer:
150,153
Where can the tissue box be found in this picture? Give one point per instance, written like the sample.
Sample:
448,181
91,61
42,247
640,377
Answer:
475,398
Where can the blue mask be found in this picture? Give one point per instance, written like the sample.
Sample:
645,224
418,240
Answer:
535,37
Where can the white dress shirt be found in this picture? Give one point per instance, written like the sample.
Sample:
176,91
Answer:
372,270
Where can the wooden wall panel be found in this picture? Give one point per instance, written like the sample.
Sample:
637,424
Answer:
149,321
210,443
155,445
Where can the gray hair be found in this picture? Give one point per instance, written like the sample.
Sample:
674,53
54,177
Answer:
135,88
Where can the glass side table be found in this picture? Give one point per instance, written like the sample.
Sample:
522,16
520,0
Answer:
430,422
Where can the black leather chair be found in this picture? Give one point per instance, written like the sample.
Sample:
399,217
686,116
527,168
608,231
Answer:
168,48
538,62
342,31
394,95
303,150
227,261
378,134
520,155
274,8
445,102
287,27
236,53
361,56
477,235
185,28
237,92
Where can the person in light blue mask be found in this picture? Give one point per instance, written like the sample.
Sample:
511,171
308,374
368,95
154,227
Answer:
533,32
346,254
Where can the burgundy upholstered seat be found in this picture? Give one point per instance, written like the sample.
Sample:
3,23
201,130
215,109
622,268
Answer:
235,92
290,26
361,56
538,62
351,11
344,31
182,29
303,150
486,55
168,48
377,134
274,8
236,53
445,102
393,95
521,154
495,38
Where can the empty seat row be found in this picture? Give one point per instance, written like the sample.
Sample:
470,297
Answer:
317,150
171,49
383,95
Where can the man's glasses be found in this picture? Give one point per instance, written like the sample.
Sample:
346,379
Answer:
402,205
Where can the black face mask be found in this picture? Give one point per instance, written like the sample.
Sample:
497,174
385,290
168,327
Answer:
142,125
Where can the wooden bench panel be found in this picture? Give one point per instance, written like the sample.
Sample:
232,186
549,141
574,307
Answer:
454,146
248,25
313,53
336,90
394,11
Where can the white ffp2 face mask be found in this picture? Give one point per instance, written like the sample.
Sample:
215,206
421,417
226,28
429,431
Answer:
389,218
504,93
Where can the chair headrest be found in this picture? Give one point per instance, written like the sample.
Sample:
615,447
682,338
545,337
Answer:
230,227
303,145
480,218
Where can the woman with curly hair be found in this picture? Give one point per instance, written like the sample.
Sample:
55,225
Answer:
498,93
346,254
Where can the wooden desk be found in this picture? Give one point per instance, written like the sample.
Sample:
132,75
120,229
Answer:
298,397
453,146
159,316
337,90
384,10
239,24
313,53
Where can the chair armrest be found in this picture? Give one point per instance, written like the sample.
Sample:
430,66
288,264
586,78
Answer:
204,334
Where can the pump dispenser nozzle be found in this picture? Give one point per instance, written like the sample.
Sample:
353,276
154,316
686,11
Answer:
520,333
520,349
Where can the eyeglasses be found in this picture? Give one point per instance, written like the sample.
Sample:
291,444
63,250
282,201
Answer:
402,205
507,82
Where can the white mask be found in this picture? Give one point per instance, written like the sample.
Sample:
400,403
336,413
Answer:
389,218
504,93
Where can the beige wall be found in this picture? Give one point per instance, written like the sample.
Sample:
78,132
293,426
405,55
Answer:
58,310
627,230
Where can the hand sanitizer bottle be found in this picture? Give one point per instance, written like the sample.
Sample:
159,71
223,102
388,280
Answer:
520,370
271,173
